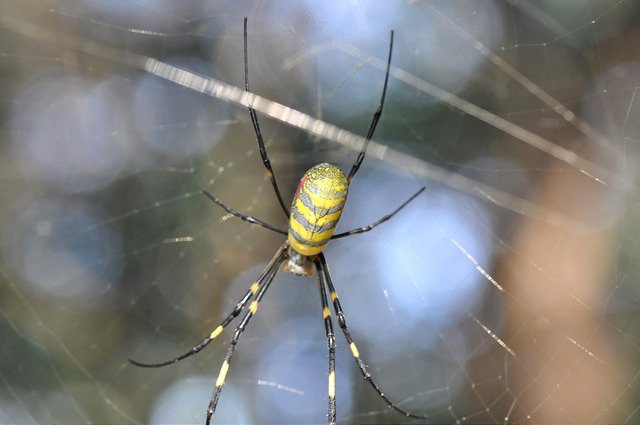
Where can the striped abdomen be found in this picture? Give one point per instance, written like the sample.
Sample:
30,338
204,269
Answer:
316,208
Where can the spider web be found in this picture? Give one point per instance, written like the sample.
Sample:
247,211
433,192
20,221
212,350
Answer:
507,292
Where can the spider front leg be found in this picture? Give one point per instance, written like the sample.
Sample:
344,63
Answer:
256,128
324,269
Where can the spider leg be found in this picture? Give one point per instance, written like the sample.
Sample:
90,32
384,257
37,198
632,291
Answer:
382,220
324,269
376,118
217,331
256,127
273,267
244,217
331,342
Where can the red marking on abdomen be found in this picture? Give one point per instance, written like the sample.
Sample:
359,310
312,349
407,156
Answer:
300,185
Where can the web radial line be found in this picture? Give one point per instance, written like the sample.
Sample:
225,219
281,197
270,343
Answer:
256,127
352,346
382,220
281,255
217,331
244,217
331,343
376,118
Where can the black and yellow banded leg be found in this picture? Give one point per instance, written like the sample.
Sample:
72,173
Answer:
217,331
271,271
331,343
324,269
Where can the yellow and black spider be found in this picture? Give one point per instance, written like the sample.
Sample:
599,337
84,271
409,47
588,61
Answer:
315,210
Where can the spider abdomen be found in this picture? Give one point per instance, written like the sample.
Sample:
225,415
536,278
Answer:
316,208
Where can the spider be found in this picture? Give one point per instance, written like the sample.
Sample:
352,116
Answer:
317,205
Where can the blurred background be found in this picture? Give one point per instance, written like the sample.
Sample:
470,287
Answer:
507,292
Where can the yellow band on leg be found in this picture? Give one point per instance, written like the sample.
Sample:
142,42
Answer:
254,288
354,350
253,307
332,384
326,313
217,331
223,374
